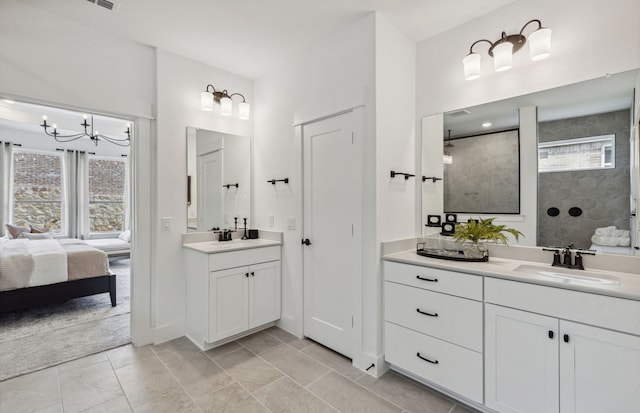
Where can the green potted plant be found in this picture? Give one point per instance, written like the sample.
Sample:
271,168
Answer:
475,232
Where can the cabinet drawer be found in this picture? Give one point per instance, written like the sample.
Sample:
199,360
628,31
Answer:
241,258
598,310
453,367
453,319
450,282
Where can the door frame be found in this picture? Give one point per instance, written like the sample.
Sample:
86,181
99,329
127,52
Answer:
358,128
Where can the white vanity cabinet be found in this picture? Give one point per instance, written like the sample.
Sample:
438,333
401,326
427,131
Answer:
433,326
539,359
231,293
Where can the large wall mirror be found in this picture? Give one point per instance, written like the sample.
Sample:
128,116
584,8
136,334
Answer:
578,152
218,179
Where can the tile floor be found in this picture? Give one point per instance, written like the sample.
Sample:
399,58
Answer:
270,371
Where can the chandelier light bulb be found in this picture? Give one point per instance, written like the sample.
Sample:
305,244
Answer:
540,44
244,109
226,106
503,56
206,101
471,66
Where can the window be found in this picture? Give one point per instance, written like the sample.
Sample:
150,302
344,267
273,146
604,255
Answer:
106,194
38,189
596,152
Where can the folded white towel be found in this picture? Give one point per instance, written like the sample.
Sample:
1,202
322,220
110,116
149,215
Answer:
611,241
605,231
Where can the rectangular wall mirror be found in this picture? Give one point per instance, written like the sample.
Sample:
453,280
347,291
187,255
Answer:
218,179
579,144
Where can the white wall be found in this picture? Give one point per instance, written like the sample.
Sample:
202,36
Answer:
590,38
179,83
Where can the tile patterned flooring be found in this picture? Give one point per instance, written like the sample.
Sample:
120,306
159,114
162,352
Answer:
270,371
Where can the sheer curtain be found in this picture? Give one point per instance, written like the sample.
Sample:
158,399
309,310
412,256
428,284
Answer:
6,183
76,194
69,210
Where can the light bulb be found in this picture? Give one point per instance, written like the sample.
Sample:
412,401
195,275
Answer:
226,106
502,56
471,66
206,101
243,110
540,44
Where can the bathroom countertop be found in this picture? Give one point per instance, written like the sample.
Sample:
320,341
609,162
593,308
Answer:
215,247
627,285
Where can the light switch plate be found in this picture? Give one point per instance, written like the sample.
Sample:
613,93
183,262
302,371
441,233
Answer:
291,223
271,221
165,223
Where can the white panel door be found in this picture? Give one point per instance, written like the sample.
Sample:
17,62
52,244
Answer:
228,302
209,191
521,361
332,202
264,293
599,370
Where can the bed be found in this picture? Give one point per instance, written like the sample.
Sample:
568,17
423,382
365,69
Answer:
46,271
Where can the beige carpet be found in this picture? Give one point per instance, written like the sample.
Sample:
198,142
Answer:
45,336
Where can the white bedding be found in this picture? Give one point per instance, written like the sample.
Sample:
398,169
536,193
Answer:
24,263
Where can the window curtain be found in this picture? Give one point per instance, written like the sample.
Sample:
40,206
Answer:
76,192
127,194
6,184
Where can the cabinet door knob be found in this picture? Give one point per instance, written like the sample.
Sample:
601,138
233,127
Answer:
566,338
433,280
253,274
246,275
550,333
425,313
426,359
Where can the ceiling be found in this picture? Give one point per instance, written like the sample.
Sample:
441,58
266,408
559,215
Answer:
253,37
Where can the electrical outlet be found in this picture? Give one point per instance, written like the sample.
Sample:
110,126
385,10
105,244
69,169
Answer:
272,221
165,223
291,223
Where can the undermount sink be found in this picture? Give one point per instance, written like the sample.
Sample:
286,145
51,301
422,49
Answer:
567,275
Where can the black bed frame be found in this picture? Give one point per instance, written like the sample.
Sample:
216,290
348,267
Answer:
58,292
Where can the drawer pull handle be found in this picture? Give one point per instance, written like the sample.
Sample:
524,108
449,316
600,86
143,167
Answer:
426,359
246,275
433,280
425,313
550,333
566,338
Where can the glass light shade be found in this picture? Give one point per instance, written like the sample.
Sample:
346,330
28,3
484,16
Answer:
206,101
226,106
471,66
243,110
503,56
447,159
540,44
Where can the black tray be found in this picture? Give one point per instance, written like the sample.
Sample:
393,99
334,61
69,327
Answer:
459,257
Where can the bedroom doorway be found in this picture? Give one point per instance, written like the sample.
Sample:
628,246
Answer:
71,187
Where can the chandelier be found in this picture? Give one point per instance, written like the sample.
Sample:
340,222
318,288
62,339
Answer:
95,136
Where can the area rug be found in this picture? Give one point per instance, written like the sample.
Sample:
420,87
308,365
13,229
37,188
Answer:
45,336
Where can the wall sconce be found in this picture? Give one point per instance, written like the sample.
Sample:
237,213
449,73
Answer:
502,50
226,103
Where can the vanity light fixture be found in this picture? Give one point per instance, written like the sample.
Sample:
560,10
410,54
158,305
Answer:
224,99
95,136
502,50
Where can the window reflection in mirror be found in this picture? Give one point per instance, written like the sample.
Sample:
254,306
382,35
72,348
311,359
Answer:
218,179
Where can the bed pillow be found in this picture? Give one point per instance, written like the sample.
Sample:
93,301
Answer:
38,230
125,236
44,235
15,231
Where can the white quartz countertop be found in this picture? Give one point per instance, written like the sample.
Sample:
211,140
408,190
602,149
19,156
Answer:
215,247
624,285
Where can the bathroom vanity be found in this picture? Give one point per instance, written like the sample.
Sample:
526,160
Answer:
233,288
515,336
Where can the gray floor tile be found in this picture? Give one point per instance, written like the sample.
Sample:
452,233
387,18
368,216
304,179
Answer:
174,349
198,374
406,393
230,399
289,338
31,392
117,405
88,387
349,397
176,401
302,368
334,360
460,408
125,355
254,373
145,381
259,342
228,360
286,396
57,408
82,362
223,349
